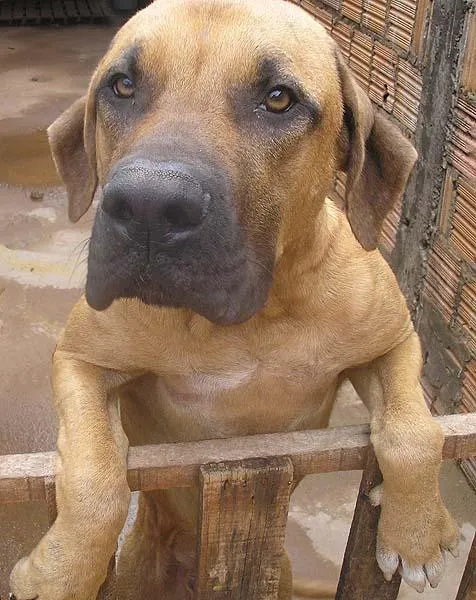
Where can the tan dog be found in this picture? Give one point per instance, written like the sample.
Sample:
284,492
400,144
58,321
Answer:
225,295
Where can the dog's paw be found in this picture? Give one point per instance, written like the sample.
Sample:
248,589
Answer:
414,533
34,579
29,581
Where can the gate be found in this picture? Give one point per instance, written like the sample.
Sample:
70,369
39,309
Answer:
239,550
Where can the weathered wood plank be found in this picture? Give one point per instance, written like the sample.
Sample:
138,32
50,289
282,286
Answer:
467,589
19,11
50,491
108,590
360,577
243,514
46,12
22,476
58,11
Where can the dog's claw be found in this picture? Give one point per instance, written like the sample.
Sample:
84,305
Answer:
414,576
375,495
434,571
12,596
454,551
387,561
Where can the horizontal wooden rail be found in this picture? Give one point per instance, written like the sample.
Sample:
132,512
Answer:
28,477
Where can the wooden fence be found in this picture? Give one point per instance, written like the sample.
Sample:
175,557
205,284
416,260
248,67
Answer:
239,550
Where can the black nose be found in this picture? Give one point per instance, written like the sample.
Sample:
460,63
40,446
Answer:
166,198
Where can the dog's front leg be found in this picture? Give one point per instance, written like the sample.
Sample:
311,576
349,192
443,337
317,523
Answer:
414,528
92,494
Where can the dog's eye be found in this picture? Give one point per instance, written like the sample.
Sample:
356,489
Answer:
123,86
279,100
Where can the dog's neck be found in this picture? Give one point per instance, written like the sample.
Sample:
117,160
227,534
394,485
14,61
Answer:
302,255
304,242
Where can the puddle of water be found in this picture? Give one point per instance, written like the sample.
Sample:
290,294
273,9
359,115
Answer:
25,159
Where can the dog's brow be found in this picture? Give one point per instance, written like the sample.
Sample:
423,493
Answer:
127,63
272,70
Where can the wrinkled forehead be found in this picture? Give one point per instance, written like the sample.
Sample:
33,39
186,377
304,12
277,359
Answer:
225,43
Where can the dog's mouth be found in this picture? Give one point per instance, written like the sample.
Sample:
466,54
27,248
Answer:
222,295
168,235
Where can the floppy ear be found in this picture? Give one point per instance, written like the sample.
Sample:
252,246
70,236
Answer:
377,158
67,137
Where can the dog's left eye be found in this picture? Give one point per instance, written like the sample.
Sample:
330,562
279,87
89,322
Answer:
278,100
123,86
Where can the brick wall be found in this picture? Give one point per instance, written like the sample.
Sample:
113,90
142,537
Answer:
376,38
451,334
417,61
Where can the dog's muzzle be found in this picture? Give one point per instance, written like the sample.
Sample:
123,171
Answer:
168,233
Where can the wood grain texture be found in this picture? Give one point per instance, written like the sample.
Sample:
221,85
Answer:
23,477
243,514
467,589
50,490
360,577
108,590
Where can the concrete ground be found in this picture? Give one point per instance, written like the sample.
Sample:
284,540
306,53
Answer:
42,273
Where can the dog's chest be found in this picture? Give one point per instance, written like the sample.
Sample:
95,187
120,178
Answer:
240,370
260,369
276,392
208,384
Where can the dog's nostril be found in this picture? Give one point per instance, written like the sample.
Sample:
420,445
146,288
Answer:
184,211
180,216
118,208
123,210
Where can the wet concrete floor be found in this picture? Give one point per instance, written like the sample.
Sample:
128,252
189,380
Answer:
42,274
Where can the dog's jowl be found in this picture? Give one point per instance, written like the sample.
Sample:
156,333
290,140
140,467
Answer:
225,294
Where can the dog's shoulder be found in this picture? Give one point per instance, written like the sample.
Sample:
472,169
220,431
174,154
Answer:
354,292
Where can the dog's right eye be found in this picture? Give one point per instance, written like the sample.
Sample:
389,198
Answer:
278,100
123,86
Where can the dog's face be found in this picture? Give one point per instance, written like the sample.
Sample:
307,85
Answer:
214,127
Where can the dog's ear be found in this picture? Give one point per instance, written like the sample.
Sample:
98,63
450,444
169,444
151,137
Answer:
377,157
68,142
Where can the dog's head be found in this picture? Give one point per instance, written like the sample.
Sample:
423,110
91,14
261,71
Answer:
214,128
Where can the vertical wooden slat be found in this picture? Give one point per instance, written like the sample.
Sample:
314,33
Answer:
243,514
50,493
108,590
361,578
467,589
